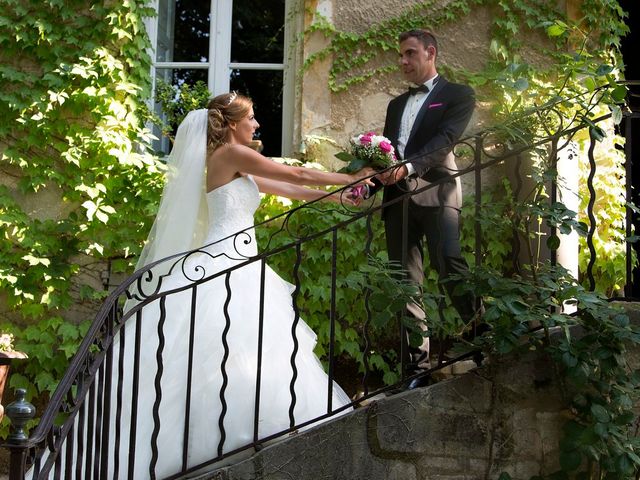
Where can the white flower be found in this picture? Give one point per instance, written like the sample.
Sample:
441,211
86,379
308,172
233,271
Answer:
6,342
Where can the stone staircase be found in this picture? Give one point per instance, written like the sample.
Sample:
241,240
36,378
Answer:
504,416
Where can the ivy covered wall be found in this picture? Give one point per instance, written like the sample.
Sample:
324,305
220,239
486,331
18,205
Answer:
517,55
514,53
77,184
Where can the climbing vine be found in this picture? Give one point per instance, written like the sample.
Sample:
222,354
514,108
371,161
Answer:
74,75
77,185
581,65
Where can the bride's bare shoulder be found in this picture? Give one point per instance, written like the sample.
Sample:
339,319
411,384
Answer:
231,149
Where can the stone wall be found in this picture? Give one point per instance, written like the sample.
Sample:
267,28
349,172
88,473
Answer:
463,44
501,417
506,416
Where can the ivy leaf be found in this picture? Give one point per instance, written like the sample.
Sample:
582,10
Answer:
91,208
590,83
600,413
521,84
603,69
601,430
36,261
619,93
632,455
626,419
569,360
616,114
558,28
345,156
597,133
355,165
553,242
624,464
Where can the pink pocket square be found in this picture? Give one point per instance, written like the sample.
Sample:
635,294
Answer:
435,105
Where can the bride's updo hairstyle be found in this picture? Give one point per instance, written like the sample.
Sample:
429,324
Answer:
225,109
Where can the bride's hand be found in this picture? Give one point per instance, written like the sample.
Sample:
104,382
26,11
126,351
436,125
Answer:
344,197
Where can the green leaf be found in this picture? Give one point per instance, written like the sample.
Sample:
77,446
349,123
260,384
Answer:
354,166
616,114
590,83
521,84
601,430
345,156
597,133
553,242
555,30
619,93
604,69
600,413
624,464
569,360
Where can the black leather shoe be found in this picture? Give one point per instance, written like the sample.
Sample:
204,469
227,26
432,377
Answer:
418,382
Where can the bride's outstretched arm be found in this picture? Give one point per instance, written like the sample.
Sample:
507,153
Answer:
249,161
297,192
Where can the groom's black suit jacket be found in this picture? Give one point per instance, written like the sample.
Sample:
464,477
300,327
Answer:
438,125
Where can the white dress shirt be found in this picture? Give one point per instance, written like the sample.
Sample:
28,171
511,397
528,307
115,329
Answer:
411,109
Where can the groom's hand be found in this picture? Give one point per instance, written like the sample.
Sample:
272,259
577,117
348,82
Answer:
393,175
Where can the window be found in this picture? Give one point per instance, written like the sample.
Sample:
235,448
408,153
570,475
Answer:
230,45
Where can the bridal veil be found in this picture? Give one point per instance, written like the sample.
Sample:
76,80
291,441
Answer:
181,222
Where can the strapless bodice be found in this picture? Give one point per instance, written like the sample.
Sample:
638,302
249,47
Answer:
231,209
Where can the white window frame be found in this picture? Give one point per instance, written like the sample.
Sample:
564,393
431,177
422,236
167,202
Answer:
219,65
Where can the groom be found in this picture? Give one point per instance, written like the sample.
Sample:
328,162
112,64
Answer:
423,124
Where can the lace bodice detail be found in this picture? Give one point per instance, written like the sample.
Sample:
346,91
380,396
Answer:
231,209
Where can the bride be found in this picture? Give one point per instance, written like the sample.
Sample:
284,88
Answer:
203,365
208,387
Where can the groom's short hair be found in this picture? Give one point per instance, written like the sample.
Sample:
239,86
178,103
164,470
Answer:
423,36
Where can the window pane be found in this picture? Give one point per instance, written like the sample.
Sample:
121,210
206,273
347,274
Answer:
258,31
183,31
180,76
265,89
183,81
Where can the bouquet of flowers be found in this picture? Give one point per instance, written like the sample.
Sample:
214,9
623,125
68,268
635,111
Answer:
368,150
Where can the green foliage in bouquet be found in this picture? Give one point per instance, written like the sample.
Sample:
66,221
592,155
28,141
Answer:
367,150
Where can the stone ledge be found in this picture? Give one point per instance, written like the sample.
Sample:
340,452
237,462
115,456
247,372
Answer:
494,418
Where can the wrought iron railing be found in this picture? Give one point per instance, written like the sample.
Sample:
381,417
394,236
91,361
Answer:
90,427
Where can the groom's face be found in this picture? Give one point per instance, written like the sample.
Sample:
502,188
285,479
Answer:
417,62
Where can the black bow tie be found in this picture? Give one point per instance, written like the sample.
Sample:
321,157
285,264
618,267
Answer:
419,88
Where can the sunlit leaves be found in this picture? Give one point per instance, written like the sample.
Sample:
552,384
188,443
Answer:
97,209
557,28
70,105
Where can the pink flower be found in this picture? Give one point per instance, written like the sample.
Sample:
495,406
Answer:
365,139
385,146
358,191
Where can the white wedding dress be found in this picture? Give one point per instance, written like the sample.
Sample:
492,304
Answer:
231,208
